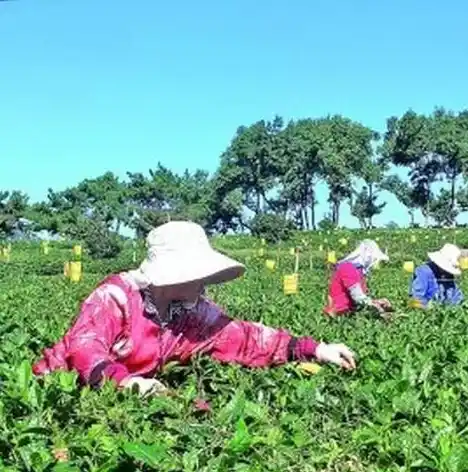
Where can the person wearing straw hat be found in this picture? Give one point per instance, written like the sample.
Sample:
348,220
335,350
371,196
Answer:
136,321
348,289
434,281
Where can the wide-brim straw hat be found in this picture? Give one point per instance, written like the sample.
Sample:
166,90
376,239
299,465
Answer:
447,259
179,252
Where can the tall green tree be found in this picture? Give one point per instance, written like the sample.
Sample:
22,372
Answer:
407,143
450,152
105,197
300,170
164,196
434,148
365,205
250,163
346,150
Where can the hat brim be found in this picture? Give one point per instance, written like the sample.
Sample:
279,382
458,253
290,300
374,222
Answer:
442,263
384,257
380,256
208,266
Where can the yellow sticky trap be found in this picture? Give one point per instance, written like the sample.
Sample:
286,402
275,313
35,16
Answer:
321,248
413,238
270,264
77,250
75,271
292,251
415,303
66,269
290,284
331,257
464,263
408,266
309,367
343,241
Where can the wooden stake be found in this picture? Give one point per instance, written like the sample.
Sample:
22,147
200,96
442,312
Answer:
296,263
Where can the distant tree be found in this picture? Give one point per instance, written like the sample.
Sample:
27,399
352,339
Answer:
365,207
250,164
347,152
13,207
273,228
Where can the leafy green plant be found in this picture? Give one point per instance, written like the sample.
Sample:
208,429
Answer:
271,227
100,241
404,408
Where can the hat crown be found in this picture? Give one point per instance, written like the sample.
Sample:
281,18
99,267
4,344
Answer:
180,236
450,252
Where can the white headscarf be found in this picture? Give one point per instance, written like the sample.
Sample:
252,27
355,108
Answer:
366,255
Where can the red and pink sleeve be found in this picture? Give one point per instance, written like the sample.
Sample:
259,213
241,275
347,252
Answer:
90,341
349,275
253,344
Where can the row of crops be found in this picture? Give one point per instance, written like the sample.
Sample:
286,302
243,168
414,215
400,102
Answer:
404,408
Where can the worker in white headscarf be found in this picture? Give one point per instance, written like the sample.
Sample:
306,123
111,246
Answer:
348,288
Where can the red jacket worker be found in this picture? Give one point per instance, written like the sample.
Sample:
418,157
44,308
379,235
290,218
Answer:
348,289
137,321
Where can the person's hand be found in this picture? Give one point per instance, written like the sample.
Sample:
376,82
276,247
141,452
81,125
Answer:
384,303
338,354
378,306
145,387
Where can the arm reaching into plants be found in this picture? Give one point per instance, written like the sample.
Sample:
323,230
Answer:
361,299
256,345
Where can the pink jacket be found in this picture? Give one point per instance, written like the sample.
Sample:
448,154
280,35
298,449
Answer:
113,337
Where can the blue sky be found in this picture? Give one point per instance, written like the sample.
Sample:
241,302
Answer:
98,85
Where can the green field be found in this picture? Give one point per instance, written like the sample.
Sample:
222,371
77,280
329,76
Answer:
404,408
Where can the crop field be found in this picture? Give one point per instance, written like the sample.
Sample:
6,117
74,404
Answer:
404,408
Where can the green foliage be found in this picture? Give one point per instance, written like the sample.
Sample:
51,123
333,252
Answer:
12,207
365,207
99,241
404,408
273,167
271,227
434,148
326,224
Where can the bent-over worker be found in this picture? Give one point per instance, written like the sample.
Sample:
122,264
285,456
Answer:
135,322
348,289
434,281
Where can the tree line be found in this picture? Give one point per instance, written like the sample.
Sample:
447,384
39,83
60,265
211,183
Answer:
268,176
